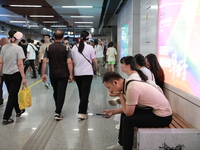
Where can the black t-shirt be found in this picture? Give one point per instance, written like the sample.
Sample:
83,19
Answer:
58,55
24,47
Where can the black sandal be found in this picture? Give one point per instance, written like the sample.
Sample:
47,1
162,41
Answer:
7,121
21,112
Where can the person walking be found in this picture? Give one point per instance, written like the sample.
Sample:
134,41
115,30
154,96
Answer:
41,57
31,56
83,55
99,48
11,65
3,42
111,56
61,70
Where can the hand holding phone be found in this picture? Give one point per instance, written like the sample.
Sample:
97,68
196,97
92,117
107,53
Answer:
103,115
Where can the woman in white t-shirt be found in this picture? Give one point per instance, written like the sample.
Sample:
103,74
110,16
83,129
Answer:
128,66
140,64
111,56
83,56
11,65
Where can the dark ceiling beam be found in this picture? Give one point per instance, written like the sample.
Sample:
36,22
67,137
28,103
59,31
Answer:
110,9
46,9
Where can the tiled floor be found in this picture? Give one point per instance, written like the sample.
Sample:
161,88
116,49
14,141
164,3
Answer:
37,129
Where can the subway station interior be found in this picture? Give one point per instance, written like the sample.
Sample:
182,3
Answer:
167,28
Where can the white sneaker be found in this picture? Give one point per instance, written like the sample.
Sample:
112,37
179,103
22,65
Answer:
47,86
115,147
114,101
82,116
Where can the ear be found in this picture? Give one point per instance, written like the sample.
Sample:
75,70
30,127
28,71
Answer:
115,82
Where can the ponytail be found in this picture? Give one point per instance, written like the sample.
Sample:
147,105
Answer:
84,36
142,75
81,46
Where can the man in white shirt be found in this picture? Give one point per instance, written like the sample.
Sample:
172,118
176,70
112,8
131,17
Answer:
99,48
31,56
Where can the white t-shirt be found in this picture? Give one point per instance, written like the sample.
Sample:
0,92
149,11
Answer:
81,65
135,76
148,73
111,52
10,54
31,50
143,94
99,51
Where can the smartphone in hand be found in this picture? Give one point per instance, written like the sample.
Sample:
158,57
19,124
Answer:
103,115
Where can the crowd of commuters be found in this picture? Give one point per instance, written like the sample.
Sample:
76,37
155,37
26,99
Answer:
59,63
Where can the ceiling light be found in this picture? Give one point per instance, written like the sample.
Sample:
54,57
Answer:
50,21
4,15
25,5
84,26
40,16
82,16
85,22
92,30
19,21
31,25
59,26
77,6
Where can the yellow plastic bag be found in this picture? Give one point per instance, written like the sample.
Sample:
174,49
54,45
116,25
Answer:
24,97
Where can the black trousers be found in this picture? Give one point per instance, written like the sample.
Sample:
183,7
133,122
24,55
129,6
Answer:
140,118
40,68
1,90
30,63
13,83
59,90
84,85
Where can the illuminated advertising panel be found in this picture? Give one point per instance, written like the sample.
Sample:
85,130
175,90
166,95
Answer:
124,39
179,43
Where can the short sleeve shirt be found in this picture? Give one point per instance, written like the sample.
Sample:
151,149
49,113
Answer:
43,48
148,73
10,54
31,50
99,51
58,55
111,52
143,94
81,65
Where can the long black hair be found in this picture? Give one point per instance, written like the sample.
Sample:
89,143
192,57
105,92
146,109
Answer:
155,67
84,36
129,60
